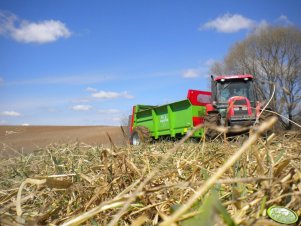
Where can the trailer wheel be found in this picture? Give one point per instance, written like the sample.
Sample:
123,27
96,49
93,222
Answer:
212,119
140,135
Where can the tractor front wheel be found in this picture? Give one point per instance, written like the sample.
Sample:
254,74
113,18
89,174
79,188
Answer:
211,120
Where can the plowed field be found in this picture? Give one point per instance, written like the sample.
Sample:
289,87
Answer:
24,139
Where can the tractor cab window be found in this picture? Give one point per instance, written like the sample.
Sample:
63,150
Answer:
232,88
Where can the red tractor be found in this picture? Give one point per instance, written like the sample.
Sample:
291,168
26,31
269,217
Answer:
234,103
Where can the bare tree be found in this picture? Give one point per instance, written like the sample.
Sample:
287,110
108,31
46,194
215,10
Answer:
273,56
217,68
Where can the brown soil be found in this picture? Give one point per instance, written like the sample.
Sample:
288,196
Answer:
25,139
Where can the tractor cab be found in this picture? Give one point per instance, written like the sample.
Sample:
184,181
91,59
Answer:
234,99
229,86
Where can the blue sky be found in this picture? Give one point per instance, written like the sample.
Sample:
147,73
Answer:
76,62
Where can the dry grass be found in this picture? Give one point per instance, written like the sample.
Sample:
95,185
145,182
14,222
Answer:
152,184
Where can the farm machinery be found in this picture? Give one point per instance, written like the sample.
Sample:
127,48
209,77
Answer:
232,103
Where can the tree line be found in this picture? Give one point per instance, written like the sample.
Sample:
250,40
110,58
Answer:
273,55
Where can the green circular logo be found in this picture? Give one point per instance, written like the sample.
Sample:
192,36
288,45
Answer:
282,215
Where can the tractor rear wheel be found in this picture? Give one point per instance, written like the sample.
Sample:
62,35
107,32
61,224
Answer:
211,120
140,135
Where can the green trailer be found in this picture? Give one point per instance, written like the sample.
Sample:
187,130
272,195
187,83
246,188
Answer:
170,120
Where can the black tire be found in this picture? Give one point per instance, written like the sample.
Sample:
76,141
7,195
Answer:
212,119
140,135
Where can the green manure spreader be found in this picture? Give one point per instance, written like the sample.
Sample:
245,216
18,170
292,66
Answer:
171,120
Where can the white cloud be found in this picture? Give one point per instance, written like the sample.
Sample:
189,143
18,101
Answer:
109,111
81,107
283,19
201,70
111,95
42,32
6,22
25,124
191,73
90,89
262,25
11,113
229,23
32,32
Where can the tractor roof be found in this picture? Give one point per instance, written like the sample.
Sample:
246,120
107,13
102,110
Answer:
218,78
